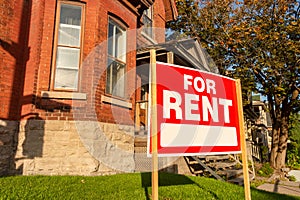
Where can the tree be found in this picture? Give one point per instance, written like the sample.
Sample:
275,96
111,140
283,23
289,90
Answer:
293,150
258,42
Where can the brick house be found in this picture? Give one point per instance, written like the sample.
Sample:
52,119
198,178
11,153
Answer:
69,82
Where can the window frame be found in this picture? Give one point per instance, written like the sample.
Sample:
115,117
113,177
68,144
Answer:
121,25
150,18
56,45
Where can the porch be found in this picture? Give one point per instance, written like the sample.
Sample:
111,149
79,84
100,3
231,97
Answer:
185,53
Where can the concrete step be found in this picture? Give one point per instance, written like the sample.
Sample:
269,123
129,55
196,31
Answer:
191,161
222,165
240,179
232,173
216,158
219,166
198,172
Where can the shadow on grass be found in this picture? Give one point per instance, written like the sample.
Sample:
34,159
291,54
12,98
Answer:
167,179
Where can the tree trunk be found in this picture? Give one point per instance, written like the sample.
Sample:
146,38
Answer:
283,142
275,142
279,143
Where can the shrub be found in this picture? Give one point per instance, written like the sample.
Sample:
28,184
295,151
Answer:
292,178
266,170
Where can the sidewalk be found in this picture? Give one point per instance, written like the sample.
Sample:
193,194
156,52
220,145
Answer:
282,187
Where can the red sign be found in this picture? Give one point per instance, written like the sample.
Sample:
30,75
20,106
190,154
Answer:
197,112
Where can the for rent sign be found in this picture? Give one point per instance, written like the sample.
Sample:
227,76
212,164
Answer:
197,112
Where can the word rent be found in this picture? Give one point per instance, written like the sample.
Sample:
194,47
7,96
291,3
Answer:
196,106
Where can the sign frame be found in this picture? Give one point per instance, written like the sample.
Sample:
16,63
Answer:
187,150
154,136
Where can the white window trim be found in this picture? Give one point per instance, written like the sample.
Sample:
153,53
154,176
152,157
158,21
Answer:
115,101
63,95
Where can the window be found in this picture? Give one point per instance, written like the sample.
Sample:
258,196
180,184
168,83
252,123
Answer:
68,47
147,20
115,81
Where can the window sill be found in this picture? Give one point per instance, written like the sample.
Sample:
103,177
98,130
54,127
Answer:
115,101
150,39
63,95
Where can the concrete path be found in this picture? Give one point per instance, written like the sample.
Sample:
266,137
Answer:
282,187
296,174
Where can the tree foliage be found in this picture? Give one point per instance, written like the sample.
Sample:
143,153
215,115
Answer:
293,151
256,41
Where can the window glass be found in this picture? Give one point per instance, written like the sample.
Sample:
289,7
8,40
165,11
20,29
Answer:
66,78
110,39
70,14
68,48
69,25
147,20
67,58
116,41
115,81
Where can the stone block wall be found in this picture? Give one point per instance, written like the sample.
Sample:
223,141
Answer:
167,164
8,129
74,148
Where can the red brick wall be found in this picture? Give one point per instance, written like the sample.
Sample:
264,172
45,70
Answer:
13,54
34,66
159,22
27,34
38,72
105,111
26,46
14,16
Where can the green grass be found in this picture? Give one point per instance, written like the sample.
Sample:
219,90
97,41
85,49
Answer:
124,186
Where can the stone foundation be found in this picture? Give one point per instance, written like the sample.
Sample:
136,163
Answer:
74,148
167,164
38,147
8,129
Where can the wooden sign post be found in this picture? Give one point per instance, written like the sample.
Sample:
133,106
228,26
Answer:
243,141
154,125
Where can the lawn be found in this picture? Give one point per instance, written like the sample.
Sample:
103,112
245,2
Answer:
124,186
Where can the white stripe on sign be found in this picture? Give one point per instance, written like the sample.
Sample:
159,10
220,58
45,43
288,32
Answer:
182,135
